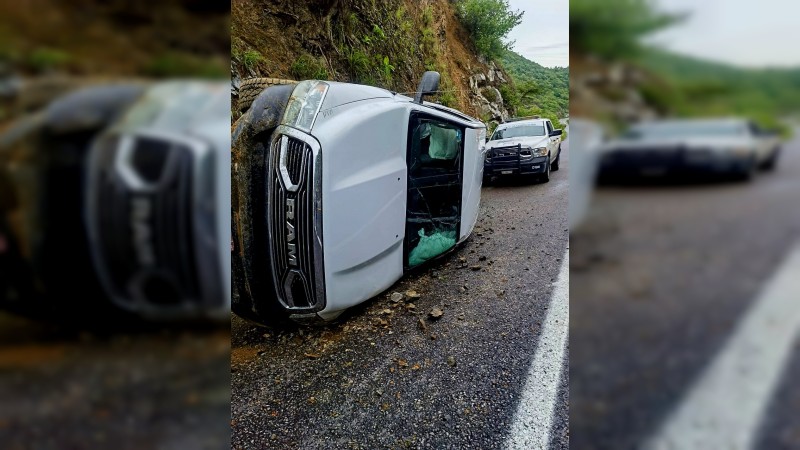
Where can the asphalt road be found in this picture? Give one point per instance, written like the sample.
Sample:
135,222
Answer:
388,376
63,388
684,315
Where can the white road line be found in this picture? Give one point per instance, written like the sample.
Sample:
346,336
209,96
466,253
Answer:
725,406
534,416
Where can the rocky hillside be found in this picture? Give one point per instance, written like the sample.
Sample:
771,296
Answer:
387,44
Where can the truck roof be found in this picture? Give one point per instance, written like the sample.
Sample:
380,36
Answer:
518,123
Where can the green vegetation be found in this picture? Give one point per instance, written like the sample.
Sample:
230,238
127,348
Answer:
307,67
44,59
537,90
184,65
360,65
614,28
675,84
489,22
251,58
386,69
694,87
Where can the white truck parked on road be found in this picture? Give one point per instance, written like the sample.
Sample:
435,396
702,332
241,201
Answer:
525,146
730,146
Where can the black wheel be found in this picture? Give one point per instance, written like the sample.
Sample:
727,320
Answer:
769,164
546,175
558,159
746,171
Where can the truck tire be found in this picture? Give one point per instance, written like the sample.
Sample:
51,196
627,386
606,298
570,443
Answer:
252,87
254,297
746,171
546,175
771,162
558,159
58,282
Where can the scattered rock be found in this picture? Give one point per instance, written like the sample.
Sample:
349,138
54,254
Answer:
436,313
451,361
422,325
396,297
312,355
412,294
475,268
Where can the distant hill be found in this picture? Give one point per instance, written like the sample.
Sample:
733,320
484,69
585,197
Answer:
705,87
552,84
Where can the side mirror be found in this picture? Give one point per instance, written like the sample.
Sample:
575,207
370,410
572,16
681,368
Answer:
557,132
429,84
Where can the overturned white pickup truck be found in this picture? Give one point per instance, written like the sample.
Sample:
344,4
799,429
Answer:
339,189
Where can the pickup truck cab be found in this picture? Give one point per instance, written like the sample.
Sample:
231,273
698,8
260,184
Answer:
526,146
339,189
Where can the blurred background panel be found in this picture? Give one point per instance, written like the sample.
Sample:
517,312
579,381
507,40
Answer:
120,338
684,259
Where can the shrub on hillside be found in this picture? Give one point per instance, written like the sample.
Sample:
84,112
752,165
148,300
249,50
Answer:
489,21
307,67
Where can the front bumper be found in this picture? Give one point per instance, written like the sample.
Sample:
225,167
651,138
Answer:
535,165
671,161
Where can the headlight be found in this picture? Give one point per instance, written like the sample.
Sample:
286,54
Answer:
541,151
304,104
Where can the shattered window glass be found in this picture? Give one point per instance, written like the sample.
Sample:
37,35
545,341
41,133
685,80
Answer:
435,182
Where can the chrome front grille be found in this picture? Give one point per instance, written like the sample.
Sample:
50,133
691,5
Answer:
295,224
296,153
144,235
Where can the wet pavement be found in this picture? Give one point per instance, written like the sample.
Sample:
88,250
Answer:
662,275
388,375
157,388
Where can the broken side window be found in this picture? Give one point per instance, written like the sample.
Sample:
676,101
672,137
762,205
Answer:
435,161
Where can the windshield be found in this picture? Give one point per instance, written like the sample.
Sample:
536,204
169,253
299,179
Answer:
685,129
519,131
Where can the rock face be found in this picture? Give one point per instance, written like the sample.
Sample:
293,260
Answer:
602,89
485,95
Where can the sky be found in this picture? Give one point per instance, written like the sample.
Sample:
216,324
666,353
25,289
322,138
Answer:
744,33
543,35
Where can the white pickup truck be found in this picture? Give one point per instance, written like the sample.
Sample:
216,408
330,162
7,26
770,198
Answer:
525,146
730,146
339,189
